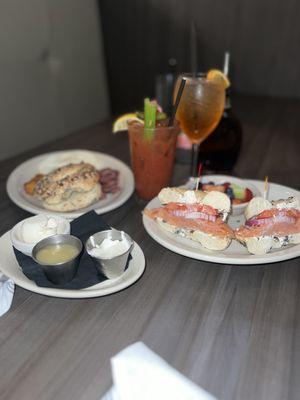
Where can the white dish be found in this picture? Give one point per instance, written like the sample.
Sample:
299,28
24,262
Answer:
237,209
25,247
235,253
10,267
30,168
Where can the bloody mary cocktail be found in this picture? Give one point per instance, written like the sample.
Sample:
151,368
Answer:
152,157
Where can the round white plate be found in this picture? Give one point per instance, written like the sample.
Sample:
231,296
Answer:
235,253
10,267
27,170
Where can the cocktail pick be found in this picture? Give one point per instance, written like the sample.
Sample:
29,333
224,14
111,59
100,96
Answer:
177,100
199,175
266,187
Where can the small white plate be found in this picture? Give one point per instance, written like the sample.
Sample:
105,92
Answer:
28,169
235,253
10,267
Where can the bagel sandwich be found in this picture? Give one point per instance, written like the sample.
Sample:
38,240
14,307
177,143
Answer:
270,224
195,215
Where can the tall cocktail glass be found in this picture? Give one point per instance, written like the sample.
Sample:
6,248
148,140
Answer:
199,111
152,157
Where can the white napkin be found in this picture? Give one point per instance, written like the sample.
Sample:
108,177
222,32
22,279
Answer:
140,374
7,288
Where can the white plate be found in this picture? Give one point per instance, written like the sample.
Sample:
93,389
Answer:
30,168
10,267
235,253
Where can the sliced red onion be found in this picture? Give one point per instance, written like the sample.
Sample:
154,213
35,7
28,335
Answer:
178,213
194,215
258,222
279,218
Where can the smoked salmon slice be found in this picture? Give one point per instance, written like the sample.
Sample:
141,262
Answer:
273,222
192,217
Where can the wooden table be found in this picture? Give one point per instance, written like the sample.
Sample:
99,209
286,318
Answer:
234,330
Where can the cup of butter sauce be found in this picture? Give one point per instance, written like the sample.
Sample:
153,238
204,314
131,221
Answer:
59,256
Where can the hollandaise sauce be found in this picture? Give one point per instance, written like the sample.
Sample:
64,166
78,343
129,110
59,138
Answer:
56,253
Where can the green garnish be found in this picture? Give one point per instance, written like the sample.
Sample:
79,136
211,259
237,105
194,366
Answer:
238,191
160,116
150,118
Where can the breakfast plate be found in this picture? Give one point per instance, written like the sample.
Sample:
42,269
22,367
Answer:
46,162
235,253
10,267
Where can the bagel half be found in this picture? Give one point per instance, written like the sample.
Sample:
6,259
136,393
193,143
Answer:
270,225
195,215
207,241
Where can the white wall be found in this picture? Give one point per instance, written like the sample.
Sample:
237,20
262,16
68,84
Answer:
52,74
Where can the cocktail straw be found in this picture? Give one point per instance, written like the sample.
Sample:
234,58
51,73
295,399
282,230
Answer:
266,188
178,97
199,176
226,63
193,48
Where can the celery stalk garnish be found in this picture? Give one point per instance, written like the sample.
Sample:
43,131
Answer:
150,118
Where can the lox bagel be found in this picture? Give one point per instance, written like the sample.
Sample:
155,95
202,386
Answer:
270,225
196,215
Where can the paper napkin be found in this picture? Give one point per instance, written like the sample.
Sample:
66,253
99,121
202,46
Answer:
140,374
87,275
7,288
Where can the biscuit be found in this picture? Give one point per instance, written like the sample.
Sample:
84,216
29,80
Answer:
69,188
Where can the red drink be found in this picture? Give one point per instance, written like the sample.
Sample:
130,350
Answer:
152,159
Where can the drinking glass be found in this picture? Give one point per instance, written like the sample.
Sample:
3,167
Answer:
200,110
152,159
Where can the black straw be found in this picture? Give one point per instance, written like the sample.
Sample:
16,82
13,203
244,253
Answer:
193,48
178,97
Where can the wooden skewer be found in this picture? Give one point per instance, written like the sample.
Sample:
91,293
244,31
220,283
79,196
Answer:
199,176
266,187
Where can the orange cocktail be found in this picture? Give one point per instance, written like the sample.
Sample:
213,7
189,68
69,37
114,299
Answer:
152,157
200,109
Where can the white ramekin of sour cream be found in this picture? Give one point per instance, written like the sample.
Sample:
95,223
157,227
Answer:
27,233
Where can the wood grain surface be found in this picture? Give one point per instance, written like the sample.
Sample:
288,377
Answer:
234,330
